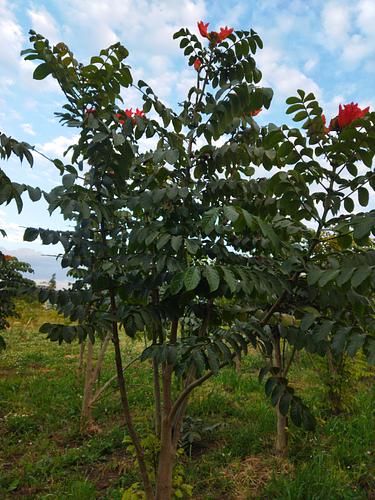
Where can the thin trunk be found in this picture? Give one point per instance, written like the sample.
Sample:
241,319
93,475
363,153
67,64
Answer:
86,411
81,353
157,396
103,350
166,462
126,408
282,421
167,450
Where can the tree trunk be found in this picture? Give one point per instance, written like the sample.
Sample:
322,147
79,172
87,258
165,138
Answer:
126,408
167,454
166,462
81,353
157,398
282,433
91,376
282,422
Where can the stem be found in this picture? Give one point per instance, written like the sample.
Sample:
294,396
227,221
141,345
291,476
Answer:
125,404
157,396
100,391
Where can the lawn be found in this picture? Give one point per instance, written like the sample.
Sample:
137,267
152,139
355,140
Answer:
44,455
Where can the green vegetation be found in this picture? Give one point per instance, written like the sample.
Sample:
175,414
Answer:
43,454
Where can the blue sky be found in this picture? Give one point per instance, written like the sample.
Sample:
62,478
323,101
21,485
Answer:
327,47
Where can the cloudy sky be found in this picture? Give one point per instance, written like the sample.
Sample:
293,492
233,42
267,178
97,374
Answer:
324,46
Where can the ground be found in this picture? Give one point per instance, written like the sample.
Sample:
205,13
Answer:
44,455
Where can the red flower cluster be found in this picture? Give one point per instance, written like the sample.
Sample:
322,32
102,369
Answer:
197,64
129,114
256,112
347,114
214,36
7,257
90,110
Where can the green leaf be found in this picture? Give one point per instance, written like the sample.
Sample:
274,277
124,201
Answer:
293,100
231,213
212,277
307,321
363,196
328,276
349,205
172,156
268,232
34,193
41,71
30,234
163,240
176,283
68,180
230,279
192,277
301,115
355,343
345,275
360,275
176,242
192,246
308,420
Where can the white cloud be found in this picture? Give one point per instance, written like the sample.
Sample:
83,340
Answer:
147,23
311,63
281,76
366,17
10,35
57,147
44,23
14,231
348,29
26,127
336,20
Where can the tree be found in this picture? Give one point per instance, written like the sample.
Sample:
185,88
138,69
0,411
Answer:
185,244
12,286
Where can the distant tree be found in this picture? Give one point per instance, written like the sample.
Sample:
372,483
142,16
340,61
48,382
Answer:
52,282
12,285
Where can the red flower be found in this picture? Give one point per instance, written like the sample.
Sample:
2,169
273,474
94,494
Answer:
256,112
7,257
140,113
197,64
203,29
349,113
224,33
129,112
120,118
91,110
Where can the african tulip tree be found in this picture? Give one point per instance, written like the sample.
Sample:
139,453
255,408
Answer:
163,235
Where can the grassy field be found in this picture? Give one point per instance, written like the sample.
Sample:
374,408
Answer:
43,455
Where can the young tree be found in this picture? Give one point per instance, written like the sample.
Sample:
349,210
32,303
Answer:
163,235
13,285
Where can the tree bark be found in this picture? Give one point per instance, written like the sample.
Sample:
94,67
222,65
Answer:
167,450
126,408
166,462
157,397
81,355
281,444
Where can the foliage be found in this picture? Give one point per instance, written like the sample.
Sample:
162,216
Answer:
12,286
186,244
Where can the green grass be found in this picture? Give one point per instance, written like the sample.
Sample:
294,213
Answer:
44,456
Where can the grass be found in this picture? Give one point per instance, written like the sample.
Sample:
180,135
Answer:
44,456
